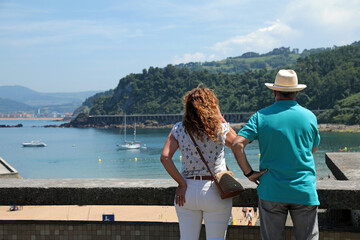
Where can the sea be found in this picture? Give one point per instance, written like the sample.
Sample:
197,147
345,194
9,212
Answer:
93,153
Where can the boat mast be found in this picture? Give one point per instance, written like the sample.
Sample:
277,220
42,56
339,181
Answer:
125,127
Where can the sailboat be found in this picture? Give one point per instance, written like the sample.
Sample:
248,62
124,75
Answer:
129,144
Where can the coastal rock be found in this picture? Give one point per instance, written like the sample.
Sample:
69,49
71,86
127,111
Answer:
151,123
10,126
50,126
81,121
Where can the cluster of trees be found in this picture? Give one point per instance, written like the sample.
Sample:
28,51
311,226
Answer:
332,77
160,90
278,57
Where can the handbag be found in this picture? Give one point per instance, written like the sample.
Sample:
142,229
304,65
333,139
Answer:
225,182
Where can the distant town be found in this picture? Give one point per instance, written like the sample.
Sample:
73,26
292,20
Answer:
31,115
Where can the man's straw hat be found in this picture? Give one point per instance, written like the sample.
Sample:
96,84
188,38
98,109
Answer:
286,81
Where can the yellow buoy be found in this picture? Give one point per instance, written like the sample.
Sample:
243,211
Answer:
259,154
345,148
136,159
180,158
99,160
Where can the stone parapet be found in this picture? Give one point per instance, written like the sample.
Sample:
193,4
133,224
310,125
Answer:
7,171
332,193
345,166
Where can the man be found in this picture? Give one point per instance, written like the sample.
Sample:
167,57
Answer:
249,218
288,137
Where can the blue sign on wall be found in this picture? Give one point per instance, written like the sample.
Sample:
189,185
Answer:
108,217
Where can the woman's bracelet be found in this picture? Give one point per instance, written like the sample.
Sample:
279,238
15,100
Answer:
249,174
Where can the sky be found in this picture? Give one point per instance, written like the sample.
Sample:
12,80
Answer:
71,46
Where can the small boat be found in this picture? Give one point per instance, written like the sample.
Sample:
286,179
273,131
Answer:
34,144
128,145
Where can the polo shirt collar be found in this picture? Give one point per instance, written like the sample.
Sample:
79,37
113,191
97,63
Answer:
286,103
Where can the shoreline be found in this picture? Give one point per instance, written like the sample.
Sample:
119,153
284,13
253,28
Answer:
54,119
341,128
323,127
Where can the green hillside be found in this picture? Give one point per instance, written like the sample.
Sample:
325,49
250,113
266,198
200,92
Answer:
332,76
8,106
277,58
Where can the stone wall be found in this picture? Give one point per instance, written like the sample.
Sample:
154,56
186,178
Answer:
342,197
58,230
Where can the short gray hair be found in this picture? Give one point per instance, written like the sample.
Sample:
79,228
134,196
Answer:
287,94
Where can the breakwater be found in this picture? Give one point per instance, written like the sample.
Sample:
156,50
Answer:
147,120
151,120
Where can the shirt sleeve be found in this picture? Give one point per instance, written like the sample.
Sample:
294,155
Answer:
225,128
250,130
317,138
176,130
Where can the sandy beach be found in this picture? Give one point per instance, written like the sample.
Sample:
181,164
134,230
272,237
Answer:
95,213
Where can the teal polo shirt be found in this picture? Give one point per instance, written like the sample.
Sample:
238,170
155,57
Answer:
286,132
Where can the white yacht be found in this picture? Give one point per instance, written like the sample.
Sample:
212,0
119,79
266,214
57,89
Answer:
34,144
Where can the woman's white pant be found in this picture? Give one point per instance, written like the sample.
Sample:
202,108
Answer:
203,202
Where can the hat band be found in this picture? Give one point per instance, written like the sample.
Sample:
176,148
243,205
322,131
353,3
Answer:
274,85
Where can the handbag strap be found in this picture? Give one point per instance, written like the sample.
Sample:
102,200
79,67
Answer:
201,156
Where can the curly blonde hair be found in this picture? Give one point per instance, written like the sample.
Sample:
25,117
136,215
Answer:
201,114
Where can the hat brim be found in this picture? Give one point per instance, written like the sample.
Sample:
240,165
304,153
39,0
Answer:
272,86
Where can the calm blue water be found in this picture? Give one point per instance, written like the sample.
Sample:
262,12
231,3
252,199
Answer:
75,153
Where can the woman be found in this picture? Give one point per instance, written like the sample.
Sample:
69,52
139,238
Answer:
196,196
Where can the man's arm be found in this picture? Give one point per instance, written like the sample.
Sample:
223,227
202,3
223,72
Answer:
313,150
238,148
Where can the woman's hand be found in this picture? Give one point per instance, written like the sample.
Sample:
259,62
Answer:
255,177
180,195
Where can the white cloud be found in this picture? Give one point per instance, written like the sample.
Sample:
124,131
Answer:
333,15
196,57
276,34
261,40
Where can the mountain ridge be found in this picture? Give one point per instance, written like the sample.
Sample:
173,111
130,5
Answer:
16,98
33,98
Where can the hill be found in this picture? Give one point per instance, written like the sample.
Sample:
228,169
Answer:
22,99
8,106
34,98
278,57
332,76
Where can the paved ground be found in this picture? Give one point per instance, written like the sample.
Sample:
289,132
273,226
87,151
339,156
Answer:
94,213
3,169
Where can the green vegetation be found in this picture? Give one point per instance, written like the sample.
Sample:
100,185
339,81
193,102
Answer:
7,105
346,111
332,76
278,57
